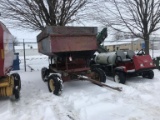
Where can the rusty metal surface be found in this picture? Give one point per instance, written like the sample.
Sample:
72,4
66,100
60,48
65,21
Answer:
73,47
67,65
66,39
44,46
59,44
73,43
60,30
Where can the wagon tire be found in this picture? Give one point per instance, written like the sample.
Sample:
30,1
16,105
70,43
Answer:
54,84
17,80
16,94
44,73
99,75
119,77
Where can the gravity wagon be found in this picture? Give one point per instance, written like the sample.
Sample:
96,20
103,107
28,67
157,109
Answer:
69,50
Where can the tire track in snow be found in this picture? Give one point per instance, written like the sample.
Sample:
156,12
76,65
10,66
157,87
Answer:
37,103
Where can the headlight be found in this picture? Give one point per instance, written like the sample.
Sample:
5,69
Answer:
141,65
151,64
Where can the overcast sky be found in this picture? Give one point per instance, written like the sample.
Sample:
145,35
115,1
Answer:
30,36
21,34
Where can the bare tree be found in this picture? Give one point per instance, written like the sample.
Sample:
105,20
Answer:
135,16
15,41
35,14
117,35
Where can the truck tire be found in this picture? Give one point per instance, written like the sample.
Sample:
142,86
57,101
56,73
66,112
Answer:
148,74
54,85
44,73
119,77
99,75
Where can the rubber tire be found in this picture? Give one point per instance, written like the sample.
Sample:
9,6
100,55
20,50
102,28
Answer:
16,94
121,75
100,73
148,74
57,84
17,80
44,73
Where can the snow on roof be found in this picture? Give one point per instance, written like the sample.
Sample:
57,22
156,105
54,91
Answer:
27,46
119,42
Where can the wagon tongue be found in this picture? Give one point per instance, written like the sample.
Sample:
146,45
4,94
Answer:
99,83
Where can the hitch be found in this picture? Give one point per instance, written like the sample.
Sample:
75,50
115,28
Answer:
98,83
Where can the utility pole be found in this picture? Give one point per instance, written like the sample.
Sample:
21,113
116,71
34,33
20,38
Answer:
24,53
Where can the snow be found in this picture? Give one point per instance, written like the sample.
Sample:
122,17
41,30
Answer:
82,100
27,46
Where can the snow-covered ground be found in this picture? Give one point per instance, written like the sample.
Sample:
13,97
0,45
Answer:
82,100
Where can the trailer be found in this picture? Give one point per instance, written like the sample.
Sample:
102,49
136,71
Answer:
10,84
70,50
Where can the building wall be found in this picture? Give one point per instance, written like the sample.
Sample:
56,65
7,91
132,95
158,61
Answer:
118,47
134,45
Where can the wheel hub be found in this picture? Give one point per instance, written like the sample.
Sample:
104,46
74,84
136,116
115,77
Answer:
51,84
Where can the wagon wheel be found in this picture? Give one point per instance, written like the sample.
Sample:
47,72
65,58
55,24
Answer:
17,85
99,75
119,77
16,93
17,80
44,74
54,84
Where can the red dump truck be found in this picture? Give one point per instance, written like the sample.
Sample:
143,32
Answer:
10,84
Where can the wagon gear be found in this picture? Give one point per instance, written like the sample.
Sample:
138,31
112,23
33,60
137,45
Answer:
70,49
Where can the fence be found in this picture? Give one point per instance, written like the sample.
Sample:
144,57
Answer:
29,57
